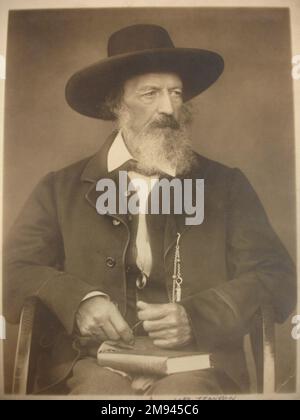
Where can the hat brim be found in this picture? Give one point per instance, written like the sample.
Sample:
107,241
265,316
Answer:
87,89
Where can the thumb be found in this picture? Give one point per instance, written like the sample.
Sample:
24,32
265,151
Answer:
142,305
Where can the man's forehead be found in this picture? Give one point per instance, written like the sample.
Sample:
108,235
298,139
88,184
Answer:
158,79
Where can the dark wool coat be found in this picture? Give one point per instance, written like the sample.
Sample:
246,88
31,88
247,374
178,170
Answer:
60,249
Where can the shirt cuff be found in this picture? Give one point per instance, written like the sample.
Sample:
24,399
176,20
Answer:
94,294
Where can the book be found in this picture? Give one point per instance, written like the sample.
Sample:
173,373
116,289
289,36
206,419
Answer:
147,359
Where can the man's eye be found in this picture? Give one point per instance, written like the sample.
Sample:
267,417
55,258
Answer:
150,94
177,93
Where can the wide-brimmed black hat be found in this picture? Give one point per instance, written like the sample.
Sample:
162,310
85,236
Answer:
136,50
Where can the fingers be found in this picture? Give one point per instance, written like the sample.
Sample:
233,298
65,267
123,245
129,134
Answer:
99,333
167,324
150,326
141,305
102,320
103,332
173,342
165,334
110,331
150,312
83,326
121,327
180,335
84,332
166,344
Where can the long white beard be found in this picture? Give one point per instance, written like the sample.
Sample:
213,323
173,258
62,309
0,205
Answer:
163,143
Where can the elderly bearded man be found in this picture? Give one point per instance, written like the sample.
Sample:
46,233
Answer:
101,274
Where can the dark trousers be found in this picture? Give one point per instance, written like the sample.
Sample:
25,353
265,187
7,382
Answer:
90,379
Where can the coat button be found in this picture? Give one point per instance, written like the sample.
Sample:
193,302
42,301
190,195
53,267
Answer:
110,262
116,222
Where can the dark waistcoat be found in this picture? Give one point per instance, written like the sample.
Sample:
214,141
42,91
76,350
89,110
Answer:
155,290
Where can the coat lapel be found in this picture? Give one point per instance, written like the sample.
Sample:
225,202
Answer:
95,170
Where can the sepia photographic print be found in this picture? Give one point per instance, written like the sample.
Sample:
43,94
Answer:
150,201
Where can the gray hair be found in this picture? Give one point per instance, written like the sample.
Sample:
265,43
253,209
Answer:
112,102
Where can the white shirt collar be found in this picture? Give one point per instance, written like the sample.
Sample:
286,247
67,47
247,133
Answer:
118,154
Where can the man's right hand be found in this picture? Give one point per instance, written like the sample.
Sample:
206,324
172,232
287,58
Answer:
98,317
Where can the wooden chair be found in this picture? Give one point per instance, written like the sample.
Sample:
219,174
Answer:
37,326
262,338
36,320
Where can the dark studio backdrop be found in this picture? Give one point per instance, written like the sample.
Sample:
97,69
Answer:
245,120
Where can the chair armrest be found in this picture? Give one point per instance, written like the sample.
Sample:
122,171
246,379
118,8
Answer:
262,337
269,350
23,359
36,323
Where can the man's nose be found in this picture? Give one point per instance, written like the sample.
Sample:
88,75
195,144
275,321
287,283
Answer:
165,105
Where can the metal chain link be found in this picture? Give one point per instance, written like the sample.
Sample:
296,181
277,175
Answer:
177,276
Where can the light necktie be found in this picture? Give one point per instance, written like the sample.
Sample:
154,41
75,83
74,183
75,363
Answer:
144,258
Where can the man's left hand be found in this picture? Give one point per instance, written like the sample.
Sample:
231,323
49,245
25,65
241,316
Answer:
167,324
